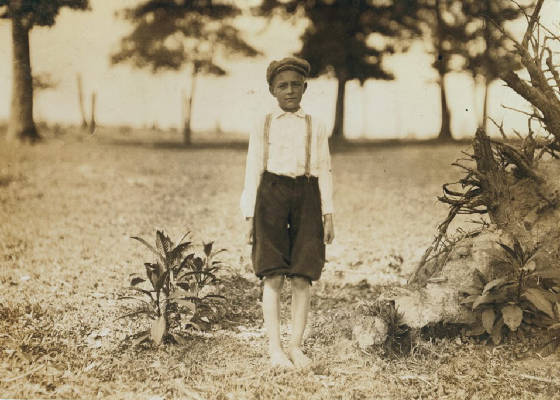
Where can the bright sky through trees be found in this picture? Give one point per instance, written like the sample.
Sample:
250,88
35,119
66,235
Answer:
83,42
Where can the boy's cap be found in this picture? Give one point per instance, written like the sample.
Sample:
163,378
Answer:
289,63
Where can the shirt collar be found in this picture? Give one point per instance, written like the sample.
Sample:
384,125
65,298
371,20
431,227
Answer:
277,112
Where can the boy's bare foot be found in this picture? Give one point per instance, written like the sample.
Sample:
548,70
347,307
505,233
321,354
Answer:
299,359
279,359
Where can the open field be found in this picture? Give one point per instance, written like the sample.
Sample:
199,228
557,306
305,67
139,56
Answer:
69,206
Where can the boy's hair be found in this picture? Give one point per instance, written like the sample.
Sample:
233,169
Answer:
289,63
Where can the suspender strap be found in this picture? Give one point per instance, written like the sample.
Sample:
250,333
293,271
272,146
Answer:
266,140
308,146
266,143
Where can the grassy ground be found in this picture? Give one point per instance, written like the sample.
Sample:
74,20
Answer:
69,206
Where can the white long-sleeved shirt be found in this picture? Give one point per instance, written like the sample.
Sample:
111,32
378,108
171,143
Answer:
286,155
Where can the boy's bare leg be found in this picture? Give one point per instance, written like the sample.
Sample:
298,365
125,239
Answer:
271,313
301,295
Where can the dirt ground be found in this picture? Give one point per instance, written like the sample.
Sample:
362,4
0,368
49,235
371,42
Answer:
69,206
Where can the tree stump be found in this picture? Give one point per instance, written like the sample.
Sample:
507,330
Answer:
509,270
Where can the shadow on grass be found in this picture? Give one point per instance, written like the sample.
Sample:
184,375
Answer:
180,146
374,144
241,145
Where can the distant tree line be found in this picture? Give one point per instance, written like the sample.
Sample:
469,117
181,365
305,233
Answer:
339,33
347,38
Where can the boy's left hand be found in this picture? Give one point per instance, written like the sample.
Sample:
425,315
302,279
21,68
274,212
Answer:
329,228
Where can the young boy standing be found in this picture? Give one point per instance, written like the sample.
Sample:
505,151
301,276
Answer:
287,203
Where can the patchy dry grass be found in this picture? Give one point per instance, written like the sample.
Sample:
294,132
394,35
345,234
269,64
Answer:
68,208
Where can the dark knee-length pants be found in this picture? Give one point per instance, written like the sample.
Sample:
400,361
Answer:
288,227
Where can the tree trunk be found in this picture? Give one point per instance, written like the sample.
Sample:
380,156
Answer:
493,181
21,125
92,124
484,123
338,128
187,132
364,112
442,68
445,130
488,42
81,101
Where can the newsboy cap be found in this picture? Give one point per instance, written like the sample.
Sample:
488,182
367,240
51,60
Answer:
289,63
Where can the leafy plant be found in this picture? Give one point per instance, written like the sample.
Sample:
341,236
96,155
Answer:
399,339
180,288
527,292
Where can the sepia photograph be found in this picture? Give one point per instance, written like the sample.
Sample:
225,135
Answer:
279,199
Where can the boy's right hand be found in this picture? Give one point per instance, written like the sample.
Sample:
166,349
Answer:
249,230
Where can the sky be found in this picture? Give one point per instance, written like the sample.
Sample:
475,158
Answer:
82,42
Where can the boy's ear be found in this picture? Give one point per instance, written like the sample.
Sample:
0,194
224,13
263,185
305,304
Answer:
304,86
271,89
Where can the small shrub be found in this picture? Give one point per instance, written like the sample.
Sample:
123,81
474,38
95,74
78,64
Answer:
527,293
180,293
399,337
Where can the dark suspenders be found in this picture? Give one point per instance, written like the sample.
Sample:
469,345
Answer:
308,145
266,140
266,143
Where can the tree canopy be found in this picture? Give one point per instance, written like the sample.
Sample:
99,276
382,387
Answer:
341,38
493,54
465,36
489,53
38,12
169,35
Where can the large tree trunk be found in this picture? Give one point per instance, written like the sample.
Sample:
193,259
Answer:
338,128
21,125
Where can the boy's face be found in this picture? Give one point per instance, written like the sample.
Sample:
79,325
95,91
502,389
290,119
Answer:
288,87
